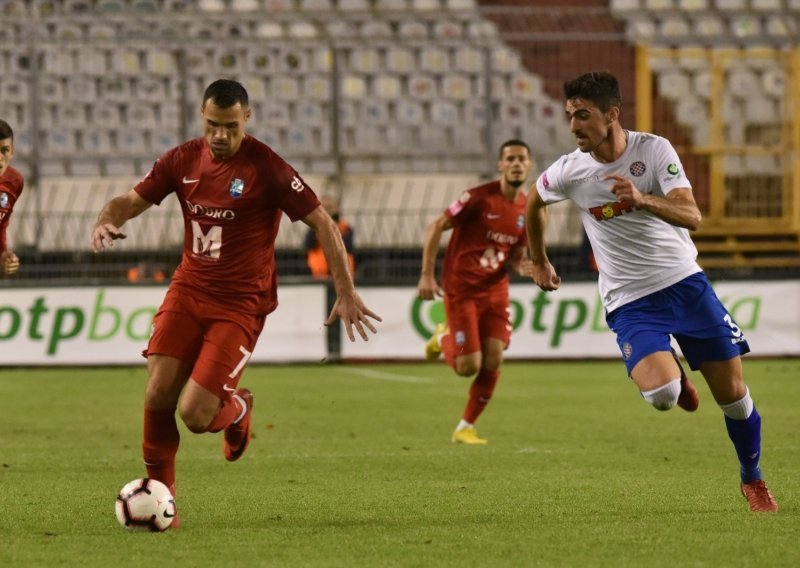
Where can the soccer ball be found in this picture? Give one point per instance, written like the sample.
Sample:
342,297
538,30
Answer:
145,505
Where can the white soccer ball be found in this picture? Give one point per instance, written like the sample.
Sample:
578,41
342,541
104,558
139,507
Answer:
145,505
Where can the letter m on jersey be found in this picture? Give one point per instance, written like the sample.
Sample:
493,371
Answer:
206,244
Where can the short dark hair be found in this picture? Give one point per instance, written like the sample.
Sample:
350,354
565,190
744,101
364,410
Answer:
5,130
599,87
513,142
226,93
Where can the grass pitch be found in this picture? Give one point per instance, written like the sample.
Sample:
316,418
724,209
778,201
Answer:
351,465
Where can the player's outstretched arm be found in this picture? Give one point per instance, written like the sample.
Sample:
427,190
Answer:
427,287
113,215
541,271
349,307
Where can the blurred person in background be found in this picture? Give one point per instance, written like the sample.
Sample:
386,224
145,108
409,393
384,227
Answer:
488,240
146,272
315,256
637,208
11,185
232,190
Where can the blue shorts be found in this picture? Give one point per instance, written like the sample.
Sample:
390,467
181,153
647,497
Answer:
689,311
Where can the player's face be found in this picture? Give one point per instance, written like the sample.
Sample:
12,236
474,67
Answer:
514,165
6,153
224,127
588,123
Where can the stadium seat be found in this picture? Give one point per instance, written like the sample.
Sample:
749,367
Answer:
659,5
353,5
778,26
105,114
469,60
412,30
245,5
505,60
274,115
641,29
624,6
773,81
425,5
115,89
400,60
513,112
709,26
269,30
131,141
364,60
689,110
315,5
475,113
766,5
67,31
211,5
101,31
387,86
110,6
444,113
159,61
422,87
151,88
693,5
97,142
434,60
229,61
674,27
760,110
308,113
51,89
146,6
408,112
673,85
260,61
730,5
317,87
744,83
353,86
125,61
60,141
447,30
373,112
527,86
457,87
82,90
382,6
140,115
376,29
745,26
302,30
461,5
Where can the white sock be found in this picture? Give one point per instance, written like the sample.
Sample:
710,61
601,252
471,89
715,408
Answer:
741,409
664,397
463,424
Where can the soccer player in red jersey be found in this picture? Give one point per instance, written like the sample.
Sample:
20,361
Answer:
232,190
11,184
488,239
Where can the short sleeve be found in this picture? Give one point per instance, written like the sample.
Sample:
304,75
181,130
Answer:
669,168
549,183
159,181
461,210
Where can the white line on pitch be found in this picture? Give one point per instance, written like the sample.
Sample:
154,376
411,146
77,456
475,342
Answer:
373,374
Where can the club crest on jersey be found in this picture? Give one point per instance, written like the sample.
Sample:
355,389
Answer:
3,199
236,188
520,221
638,169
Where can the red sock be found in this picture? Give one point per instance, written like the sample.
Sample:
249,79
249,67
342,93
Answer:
479,394
230,411
160,442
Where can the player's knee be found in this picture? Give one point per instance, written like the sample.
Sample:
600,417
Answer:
467,368
195,420
664,397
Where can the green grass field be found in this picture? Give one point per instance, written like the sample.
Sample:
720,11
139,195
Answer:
352,465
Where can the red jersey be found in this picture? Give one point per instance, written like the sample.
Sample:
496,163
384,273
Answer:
486,227
232,211
11,184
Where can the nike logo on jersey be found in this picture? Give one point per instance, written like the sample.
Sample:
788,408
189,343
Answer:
185,180
493,216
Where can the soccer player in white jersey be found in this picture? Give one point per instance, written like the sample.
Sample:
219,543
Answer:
637,208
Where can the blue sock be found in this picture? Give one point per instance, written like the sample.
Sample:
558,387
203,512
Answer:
746,438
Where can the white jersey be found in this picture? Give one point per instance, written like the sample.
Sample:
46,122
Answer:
637,253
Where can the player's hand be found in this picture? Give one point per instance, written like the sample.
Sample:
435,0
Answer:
625,191
351,310
525,268
9,262
428,289
104,235
545,277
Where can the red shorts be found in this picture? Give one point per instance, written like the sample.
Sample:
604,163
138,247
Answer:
216,341
473,318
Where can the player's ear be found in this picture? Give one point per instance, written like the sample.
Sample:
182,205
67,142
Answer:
247,114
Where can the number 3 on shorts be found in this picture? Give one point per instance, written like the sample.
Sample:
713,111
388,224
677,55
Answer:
729,320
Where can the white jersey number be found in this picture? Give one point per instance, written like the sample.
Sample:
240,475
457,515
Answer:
492,259
206,244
